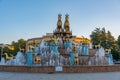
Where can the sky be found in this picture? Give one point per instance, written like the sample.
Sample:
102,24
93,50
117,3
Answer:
34,18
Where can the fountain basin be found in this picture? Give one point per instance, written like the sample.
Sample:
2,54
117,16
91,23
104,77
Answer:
65,69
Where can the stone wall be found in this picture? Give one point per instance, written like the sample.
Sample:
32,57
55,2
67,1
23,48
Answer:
38,69
65,69
86,69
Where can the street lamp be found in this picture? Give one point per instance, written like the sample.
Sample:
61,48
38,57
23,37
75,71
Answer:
2,47
106,44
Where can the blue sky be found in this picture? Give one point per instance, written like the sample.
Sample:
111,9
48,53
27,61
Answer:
34,18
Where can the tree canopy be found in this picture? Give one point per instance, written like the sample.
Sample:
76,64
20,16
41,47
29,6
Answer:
20,44
104,38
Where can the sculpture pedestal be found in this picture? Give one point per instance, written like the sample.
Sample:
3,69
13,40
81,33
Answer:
30,58
110,58
85,50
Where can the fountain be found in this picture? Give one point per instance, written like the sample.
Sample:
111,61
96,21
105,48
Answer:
18,60
85,50
47,54
2,61
63,50
100,58
109,56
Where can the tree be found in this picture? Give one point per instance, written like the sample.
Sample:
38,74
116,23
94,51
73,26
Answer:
118,41
105,39
0,53
95,36
16,47
116,54
20,44
5,50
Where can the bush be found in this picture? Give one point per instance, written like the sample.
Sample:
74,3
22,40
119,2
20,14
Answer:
116,54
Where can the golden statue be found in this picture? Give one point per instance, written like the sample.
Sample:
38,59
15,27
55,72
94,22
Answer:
21,49
31,47
76,60
66,24
59,23
74,49
8,57
54,40
37,59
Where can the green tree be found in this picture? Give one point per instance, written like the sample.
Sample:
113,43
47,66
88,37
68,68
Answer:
16,47
0,53
111,43
116,54
20,44
118,41
5,50
96,36
105,39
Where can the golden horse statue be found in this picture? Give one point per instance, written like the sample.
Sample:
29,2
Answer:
8,57
31,47
36,59
76,60
22,50
54,40
74,49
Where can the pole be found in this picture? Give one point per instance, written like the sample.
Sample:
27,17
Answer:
1,51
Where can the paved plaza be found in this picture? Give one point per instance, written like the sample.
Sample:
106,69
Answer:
60,76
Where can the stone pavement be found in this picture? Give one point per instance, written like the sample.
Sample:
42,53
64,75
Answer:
60,76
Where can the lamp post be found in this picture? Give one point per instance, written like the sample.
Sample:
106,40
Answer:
2,47
106,41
